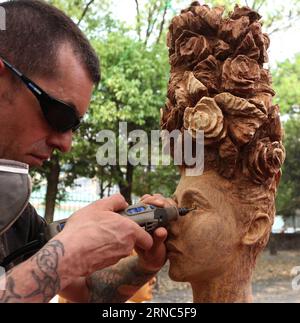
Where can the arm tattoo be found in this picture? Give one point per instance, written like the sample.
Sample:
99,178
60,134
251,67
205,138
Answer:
118,283
44,275
47,278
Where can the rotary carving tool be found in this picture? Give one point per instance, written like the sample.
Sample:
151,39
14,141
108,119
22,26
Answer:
151,217
148,217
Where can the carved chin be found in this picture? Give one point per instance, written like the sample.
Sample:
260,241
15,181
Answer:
177,270
175,275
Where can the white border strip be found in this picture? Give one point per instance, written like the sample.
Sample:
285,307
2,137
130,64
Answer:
16,170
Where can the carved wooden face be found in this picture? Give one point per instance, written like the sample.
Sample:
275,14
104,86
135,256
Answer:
204,242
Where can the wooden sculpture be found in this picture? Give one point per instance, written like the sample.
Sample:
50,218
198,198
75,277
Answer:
219,84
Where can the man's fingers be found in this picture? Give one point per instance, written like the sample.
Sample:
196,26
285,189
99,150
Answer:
113,203
159,202
160,235
144,240
154,201
145,197
172,202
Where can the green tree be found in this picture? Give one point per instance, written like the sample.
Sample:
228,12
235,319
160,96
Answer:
160,179
289,191
287,82
286,78
132,90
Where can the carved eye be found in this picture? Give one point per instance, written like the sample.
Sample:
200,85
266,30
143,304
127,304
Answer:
193,199
193,207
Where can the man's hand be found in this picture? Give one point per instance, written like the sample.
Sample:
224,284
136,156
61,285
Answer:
95,237
118,283
153,260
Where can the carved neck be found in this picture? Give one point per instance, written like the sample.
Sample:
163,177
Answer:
233,286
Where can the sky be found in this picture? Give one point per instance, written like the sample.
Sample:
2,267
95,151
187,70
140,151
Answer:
283,44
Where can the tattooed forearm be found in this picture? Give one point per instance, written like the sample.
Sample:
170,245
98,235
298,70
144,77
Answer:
46,277
118,283
37,280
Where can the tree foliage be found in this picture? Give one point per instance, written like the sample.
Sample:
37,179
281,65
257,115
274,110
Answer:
287,83
286,78
289,191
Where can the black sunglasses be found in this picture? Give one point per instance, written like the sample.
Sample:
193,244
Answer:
61,116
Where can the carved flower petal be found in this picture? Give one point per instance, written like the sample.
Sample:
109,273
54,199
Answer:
208,72
231,31
222,50
243,129
244,117
185,21
175,78
237,106
190,48
202,119
208,117
188,90
267,41
212,17
192,7
240,75
265,160
261,42
248,47
264,84
259,104
172,118
195,87
245,11
229,154
262,100
275,128
216,126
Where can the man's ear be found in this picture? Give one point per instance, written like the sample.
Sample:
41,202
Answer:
258,228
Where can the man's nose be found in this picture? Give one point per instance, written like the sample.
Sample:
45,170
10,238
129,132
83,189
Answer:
60,141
